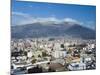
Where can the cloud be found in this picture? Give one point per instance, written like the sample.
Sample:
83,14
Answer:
48,20
21,14
19,18
72,21
90,24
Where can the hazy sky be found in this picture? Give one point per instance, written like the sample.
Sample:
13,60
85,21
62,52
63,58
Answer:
81,13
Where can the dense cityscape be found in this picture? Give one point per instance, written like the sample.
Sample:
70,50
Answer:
39,55
52,37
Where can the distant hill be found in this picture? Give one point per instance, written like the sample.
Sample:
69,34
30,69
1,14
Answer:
52,29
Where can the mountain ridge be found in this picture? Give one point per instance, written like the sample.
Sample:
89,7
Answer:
40,30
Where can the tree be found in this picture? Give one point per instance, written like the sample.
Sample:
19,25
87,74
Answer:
39,56
33,61
44,54
62,45
25,53
33,56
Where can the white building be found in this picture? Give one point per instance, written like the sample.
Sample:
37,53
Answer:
59,54
77,66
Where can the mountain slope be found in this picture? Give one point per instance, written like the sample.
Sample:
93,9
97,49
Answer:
41,30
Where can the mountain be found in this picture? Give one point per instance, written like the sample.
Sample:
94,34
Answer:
35,30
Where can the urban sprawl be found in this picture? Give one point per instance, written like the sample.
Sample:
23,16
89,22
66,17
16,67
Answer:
40,55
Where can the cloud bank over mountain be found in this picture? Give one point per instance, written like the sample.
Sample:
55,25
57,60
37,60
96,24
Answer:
19,18
22,18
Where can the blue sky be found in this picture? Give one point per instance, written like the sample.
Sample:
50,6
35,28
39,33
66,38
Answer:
81,13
